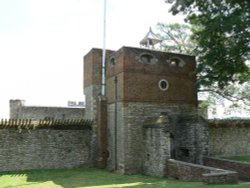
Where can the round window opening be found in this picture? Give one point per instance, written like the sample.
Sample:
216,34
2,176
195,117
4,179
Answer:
163,84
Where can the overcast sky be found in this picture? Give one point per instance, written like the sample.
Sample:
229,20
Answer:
42,43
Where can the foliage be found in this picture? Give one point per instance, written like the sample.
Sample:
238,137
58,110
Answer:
222,34
90,177
176,38
221,41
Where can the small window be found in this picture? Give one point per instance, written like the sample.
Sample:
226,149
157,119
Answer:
176,62
163,85
148,59
112,62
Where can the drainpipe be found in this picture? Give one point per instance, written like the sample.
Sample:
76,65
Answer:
115,128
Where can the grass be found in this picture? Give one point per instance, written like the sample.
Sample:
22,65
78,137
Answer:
245,158
93,178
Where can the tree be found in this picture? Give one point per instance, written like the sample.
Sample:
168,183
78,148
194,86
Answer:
221,30
177,38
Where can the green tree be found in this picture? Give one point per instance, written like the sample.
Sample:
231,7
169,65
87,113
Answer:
221,30
177,38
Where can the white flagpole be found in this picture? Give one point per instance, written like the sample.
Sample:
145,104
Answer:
103,83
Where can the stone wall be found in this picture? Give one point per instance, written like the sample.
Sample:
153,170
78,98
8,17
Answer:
156,150
18,110
91,93
191,137
242,168
128,148
193,172
44,149
229,137
134,78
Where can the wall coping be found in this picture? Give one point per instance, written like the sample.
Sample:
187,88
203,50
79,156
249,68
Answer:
228,123
242,168
213,177
228,160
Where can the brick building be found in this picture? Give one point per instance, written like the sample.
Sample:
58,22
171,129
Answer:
151,108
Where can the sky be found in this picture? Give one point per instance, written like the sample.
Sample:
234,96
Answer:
42,43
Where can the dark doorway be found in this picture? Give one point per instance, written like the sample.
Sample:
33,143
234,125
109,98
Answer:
172,147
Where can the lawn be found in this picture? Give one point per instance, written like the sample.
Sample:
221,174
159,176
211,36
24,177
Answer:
93,178
245,158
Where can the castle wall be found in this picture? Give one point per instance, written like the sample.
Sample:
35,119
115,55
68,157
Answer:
44,149
91,93
134,153
143,141
157,143
229,138
134,95
18,110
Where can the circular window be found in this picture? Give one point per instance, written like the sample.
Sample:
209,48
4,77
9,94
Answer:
163,84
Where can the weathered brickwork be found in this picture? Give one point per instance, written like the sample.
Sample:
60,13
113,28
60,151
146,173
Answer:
91,93
156,150
138,81
242,168
193,172
132,146
44,149
229,138
135,94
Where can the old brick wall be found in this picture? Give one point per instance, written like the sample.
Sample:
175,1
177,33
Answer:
242,168
44,149
191,135
131,143
135,94
193,172
138,81
229,138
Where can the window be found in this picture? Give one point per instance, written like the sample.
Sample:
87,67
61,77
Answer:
176,62
147,59
112,62
163,85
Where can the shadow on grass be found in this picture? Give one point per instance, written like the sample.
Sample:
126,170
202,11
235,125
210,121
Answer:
94,178
82,177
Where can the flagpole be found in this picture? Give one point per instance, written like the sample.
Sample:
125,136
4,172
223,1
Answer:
103,83
102,107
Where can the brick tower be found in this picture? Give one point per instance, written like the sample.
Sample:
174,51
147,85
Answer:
152,108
